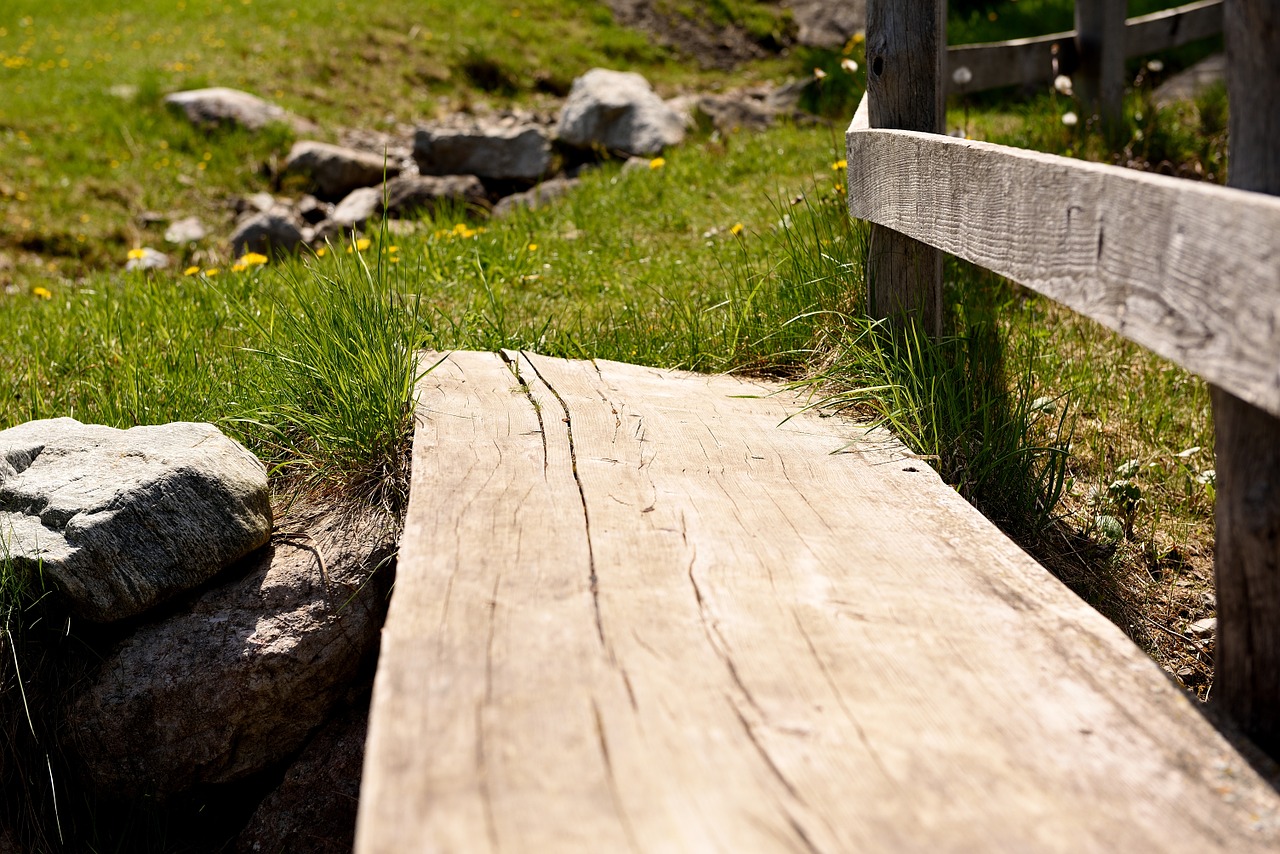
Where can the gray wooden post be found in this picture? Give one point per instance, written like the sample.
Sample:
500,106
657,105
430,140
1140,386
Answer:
1100,46
1247,564
906,53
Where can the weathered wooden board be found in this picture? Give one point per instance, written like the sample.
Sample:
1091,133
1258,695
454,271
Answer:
636,610
1027,61
1189,270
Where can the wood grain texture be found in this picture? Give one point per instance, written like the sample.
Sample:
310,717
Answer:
1189,270
1022,62
906,45
1247,441
638,611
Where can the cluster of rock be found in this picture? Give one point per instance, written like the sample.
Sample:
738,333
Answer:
496,163
227,640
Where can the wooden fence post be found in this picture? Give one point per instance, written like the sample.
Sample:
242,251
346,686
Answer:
1100,46
906,52
1247,562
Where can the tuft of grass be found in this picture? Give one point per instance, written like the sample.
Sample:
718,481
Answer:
334,399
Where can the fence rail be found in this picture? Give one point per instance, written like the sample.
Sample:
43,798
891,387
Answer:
1022,62
1189,270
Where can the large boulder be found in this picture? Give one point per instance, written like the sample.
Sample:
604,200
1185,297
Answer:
121,520
335,171
313,811
501,150
219,106
237,681
618,111
274,232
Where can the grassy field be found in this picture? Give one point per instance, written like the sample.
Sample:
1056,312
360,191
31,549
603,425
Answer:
733,253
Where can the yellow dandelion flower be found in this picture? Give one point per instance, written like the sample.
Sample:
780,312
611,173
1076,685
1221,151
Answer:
657,163
41,293
135,254
321,252
239,268
191,271
736,229
839,164
362,244
391,250
212,271
253,259
460,228
533,247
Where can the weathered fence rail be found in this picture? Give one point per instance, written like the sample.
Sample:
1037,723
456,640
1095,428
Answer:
1020,62
1188,270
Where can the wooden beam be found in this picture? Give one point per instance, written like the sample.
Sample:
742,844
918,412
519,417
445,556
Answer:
1172,27
1186,269
1027,61
1018,62
1100,38
906,45
649,611
1247,443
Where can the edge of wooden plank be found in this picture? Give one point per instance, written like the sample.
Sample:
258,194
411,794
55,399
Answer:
1188,270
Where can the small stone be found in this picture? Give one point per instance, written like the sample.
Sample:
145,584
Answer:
1209,600
336,171
122,520
533,199
313,211
146,258
619,111
1204,628
218,106
273,232
186,230
357,208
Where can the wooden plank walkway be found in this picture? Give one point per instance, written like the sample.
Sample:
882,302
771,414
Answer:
637,611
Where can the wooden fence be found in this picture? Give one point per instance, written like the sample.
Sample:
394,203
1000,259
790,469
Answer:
1023,62
1189,270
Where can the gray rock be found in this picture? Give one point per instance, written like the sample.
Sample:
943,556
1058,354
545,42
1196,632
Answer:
827,23
238,681
618,111
276,231
500,150
314,808
121,520
636,164
1203,629
146,258
357,208
212,107
533,199
336,171
410,195
186,230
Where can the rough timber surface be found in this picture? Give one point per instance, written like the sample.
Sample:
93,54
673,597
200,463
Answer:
638,610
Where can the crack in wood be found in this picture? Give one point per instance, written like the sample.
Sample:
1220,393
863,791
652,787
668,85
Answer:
582,495
614,793
482,772
537,409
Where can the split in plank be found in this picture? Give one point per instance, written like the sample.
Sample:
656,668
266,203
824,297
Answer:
644,610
